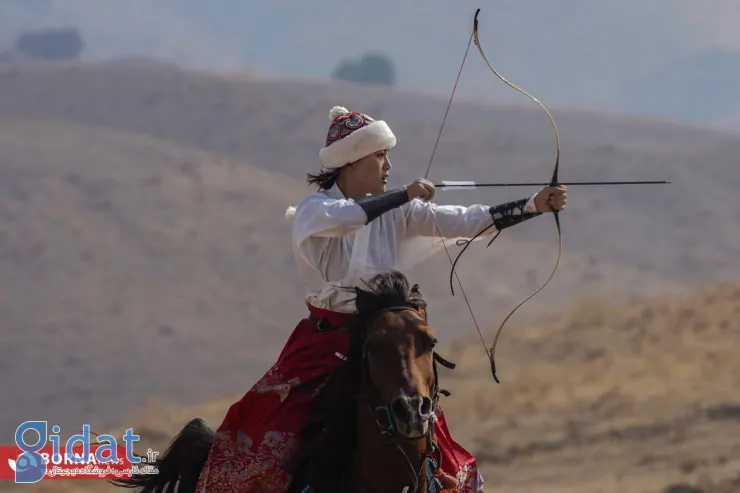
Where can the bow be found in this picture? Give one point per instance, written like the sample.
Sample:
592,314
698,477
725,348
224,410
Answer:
554,181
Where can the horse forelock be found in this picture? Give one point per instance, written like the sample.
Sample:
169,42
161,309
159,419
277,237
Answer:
385,291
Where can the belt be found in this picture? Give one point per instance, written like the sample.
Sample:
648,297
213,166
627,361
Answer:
322,324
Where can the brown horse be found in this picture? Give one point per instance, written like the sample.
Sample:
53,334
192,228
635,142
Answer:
372,424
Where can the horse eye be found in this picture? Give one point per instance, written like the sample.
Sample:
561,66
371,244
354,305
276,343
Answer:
425,343
431,344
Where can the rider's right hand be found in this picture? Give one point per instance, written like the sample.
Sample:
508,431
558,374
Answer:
421,189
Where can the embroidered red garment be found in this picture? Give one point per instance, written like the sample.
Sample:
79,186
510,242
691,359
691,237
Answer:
259,433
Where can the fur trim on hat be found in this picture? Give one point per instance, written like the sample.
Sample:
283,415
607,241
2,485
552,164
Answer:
364,141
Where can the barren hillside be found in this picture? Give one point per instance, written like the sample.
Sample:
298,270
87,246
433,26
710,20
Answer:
638,398
143,248
610,398
126,262
121,252
687,230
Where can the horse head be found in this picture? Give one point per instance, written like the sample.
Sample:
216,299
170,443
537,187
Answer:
399,380
399,385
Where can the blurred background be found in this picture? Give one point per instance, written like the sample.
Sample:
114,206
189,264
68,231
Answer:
148,151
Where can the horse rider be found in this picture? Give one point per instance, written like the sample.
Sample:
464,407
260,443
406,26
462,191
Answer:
349,230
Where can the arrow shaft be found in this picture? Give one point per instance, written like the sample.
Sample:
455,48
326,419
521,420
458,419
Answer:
452,185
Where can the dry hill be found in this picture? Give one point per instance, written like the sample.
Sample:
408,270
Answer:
143,249
611,398
134,267
686,230
638,398
125,260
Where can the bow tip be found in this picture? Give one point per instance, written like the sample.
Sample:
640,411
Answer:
493,371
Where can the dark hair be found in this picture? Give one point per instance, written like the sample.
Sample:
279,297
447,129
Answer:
325,179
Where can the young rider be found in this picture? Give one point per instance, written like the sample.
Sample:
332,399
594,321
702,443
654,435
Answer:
349,230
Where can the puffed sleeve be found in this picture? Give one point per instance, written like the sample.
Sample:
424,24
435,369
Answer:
457,221
323,216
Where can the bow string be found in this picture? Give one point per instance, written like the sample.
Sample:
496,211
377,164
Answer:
553,182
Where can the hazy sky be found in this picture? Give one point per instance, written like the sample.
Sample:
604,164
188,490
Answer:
575,52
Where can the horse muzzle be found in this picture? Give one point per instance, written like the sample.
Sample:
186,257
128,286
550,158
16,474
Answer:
411,415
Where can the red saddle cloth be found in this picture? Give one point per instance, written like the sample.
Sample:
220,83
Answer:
260,432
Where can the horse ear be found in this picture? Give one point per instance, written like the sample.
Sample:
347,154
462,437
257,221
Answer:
359,298
418,297
416,293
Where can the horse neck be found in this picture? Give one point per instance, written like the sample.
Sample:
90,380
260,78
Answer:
378,465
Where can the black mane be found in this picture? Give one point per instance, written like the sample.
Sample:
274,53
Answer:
386,291
330,435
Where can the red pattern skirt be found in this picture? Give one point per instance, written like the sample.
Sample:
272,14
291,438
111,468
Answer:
260,432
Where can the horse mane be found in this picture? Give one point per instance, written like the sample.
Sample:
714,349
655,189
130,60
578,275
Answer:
330,435
386,291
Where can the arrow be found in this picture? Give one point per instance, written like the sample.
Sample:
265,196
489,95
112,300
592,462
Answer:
453,185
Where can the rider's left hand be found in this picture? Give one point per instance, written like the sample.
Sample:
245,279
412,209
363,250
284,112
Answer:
551,199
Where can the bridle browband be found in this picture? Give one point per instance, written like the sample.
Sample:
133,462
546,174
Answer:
390,431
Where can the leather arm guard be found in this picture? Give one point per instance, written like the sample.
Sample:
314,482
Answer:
376,205
511,213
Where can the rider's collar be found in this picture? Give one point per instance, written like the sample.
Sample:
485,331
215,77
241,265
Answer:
335,192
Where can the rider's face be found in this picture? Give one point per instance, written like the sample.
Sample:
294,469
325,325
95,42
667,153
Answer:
370,174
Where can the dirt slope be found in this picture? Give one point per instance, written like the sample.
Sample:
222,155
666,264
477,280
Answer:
610,398
687,230
122,253
126,261
636,398
143,252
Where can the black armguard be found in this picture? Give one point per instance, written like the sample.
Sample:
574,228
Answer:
507,215
376,205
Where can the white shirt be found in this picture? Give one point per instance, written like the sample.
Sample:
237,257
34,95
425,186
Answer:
335,249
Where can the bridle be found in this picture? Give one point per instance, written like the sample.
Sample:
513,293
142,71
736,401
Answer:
389,430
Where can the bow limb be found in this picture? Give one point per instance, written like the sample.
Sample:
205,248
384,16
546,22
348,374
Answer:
553,182
547,112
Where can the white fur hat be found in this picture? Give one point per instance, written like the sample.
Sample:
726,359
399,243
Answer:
352,136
